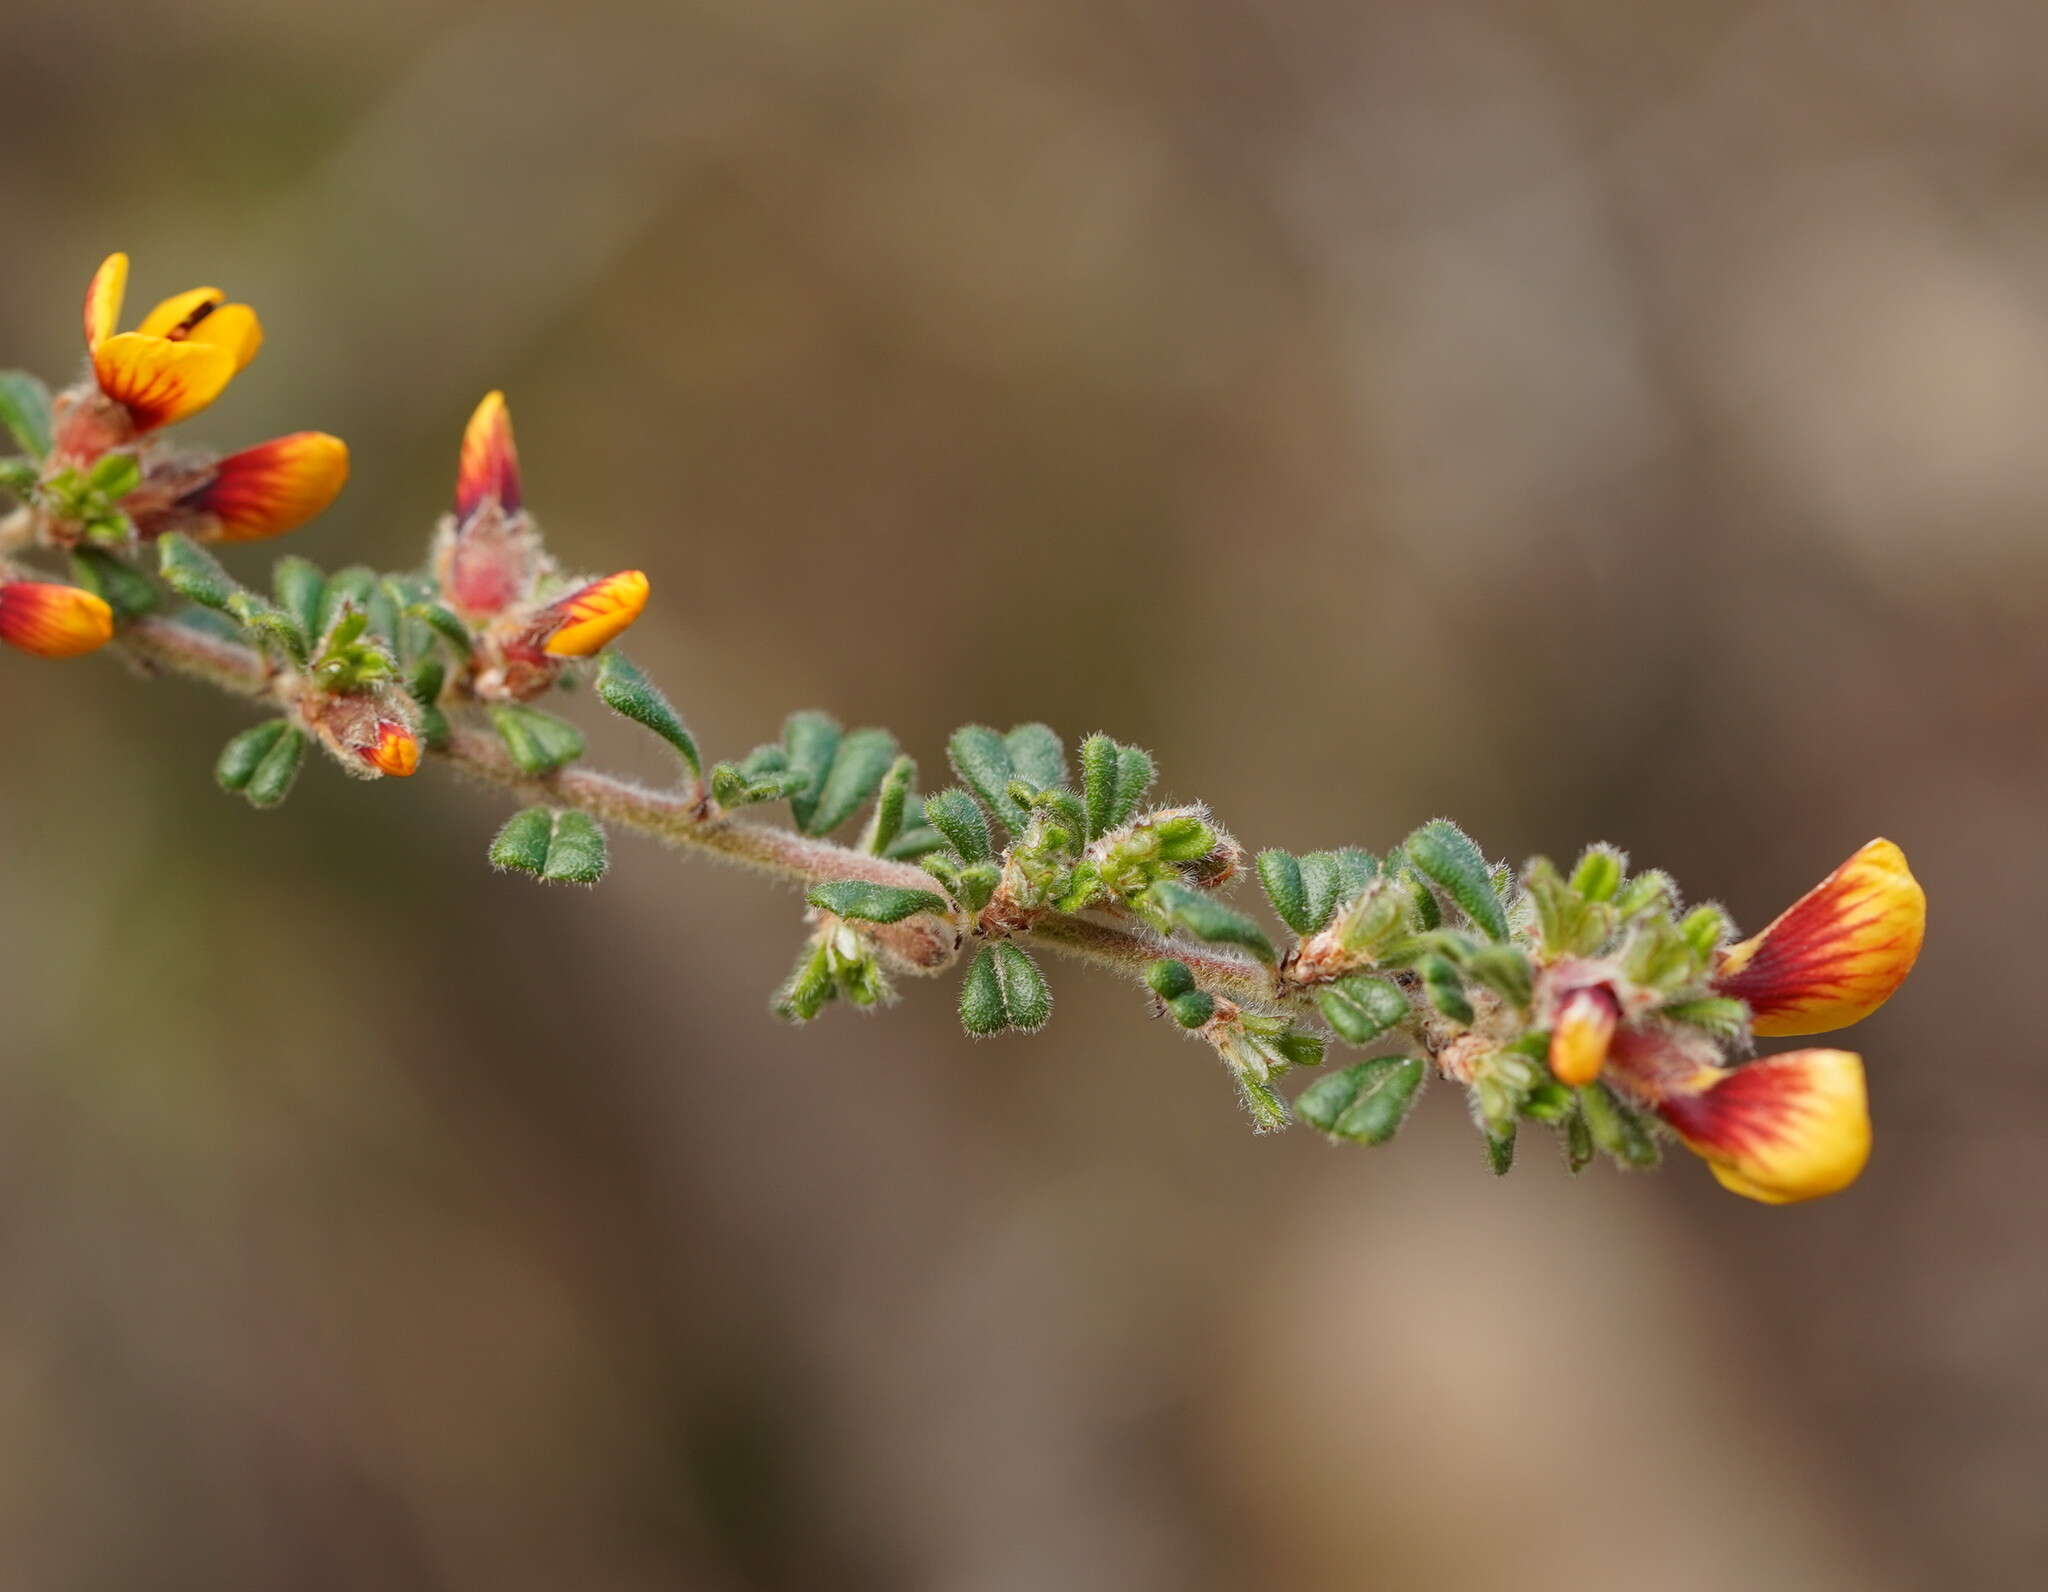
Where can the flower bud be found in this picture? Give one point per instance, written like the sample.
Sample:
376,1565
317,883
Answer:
396,752
579,625
51,620
1581,1033
269,489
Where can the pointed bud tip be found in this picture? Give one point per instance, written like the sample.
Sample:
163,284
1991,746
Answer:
489,464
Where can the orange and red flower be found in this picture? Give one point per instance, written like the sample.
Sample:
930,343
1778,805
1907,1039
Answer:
1784,1128
585,620
178,360
396,752
51,620
1836,954
1582,1032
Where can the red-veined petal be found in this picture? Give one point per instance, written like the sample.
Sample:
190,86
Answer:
51,620
1783,1128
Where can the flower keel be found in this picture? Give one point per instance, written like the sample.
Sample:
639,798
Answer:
1787,1128
51,620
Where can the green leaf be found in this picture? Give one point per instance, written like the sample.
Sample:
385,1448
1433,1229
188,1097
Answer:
1322,883
917,841
1578,1143
873,903
558,846
1099,762
300,588
1361,1008
193,573
1505,970
273,625
577,854
981,757
1355,870
272,779
810,740
1134,775
539,742
1280,874
25,411
733,785
449,627
626,691
859,764
116,582
1003,990
1445,854
1446,991
1721,1016
886,822
1178,906
1366,1102
959,817
243,755
1037,756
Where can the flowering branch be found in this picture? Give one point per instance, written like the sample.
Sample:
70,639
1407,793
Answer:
1592,1003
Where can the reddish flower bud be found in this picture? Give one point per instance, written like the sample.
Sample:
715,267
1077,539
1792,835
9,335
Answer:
489,466
583,622
397,751
272,488
1837,953
53,621
1785,1128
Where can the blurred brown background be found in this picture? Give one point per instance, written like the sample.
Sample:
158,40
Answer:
1585,419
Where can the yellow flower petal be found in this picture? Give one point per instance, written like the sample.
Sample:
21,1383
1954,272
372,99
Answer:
1579,1037
175,315
1835,955
233,327
269,489
587,619
51,620
160,381
1781,1129
103,296
489,465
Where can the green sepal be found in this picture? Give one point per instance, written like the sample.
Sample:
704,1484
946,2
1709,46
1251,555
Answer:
539,742
873,903
808,988
273,777
1361,1008
1423,910
25,411
626,691
1500,1148
1549,1101
115,581
1446,855
115,475
1651,889
1616,1129
1172,905
1262,1103
885,823
193,573
809,742
1599,872
557,846
300,587
1003,990
959,817
244,754
860,762
1578,1143
1704,928
1366,1102
1446,991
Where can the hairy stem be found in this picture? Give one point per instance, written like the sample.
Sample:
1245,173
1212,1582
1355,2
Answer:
673,819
